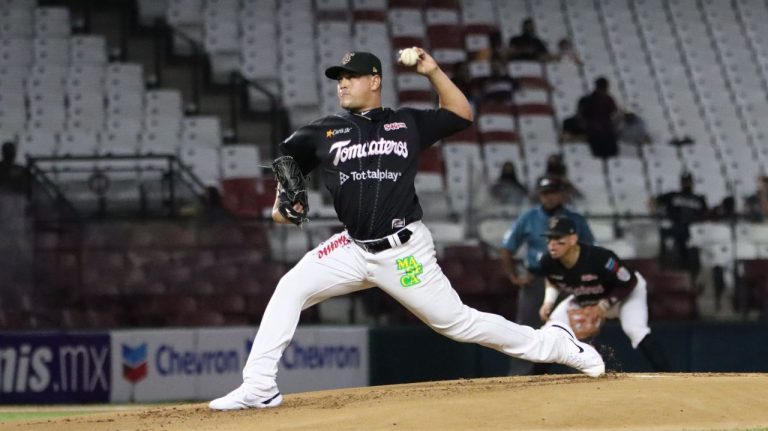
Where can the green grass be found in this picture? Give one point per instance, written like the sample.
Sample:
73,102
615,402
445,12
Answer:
32,415
42,412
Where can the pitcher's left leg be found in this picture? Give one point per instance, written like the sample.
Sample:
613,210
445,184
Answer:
633,313
634,322
411,275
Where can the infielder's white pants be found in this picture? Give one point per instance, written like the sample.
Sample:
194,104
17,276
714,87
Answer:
410,274
632,312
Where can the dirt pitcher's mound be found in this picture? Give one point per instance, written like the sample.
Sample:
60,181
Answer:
616,401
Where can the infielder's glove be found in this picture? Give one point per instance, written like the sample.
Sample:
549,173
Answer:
293,187
586,321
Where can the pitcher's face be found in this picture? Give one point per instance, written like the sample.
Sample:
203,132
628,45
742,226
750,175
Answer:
358,92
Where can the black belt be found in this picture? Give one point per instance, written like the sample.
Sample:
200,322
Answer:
382,244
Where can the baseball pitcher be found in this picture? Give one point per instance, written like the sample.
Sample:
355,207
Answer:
369,156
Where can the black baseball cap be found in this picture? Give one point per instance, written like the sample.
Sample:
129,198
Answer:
560,227
549,184
359,62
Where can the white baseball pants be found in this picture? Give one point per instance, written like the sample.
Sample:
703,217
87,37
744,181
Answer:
410,274
632,312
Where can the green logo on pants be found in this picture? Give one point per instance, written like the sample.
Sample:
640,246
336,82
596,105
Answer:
412,270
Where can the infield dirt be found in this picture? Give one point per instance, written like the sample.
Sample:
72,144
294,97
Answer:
562,402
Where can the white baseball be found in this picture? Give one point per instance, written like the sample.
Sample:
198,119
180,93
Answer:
409,56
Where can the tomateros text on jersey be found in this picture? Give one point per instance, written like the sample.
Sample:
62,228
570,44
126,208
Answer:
345,152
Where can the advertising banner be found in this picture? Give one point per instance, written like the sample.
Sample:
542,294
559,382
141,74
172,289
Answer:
325,358
54,367
153,365
202,364
229,349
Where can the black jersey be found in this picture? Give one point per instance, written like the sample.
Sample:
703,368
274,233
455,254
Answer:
597,274
369,162
683,207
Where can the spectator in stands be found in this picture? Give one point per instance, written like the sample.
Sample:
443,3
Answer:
573,129
507,189
724,211
13,177
496,42
566,51
498,87
529,230
600,113
527,45
633,130
556,168
679,210
756,205
462,79
682,141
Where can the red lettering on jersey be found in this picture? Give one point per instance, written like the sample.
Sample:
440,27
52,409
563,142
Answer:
341,241
581,290
394,126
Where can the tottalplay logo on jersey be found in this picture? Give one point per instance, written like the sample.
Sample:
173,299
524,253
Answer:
375,175
134,362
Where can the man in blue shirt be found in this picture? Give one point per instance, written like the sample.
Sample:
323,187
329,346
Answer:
529,230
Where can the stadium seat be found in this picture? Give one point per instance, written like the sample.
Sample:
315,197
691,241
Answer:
201,131
671,297
248,197
204,162
52,22
239,161
752,291
78,142
37,143
17,23
52,50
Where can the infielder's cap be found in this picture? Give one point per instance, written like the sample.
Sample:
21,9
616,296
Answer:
549,184
361,63
560,227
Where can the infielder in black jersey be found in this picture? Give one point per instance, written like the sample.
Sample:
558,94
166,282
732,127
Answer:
600,285
369,156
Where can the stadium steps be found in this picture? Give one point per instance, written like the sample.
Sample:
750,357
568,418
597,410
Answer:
174,72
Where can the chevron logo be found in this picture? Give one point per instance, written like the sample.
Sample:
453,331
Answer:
135,362
343,178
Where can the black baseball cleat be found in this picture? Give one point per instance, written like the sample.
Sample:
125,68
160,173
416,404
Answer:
578,355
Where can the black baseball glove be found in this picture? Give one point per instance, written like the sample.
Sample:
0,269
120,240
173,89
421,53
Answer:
293,189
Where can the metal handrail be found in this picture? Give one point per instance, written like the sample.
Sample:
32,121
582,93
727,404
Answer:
48,187
174,168
165,37
239,85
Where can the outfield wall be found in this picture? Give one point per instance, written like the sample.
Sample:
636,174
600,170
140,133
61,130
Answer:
169,364
200,364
